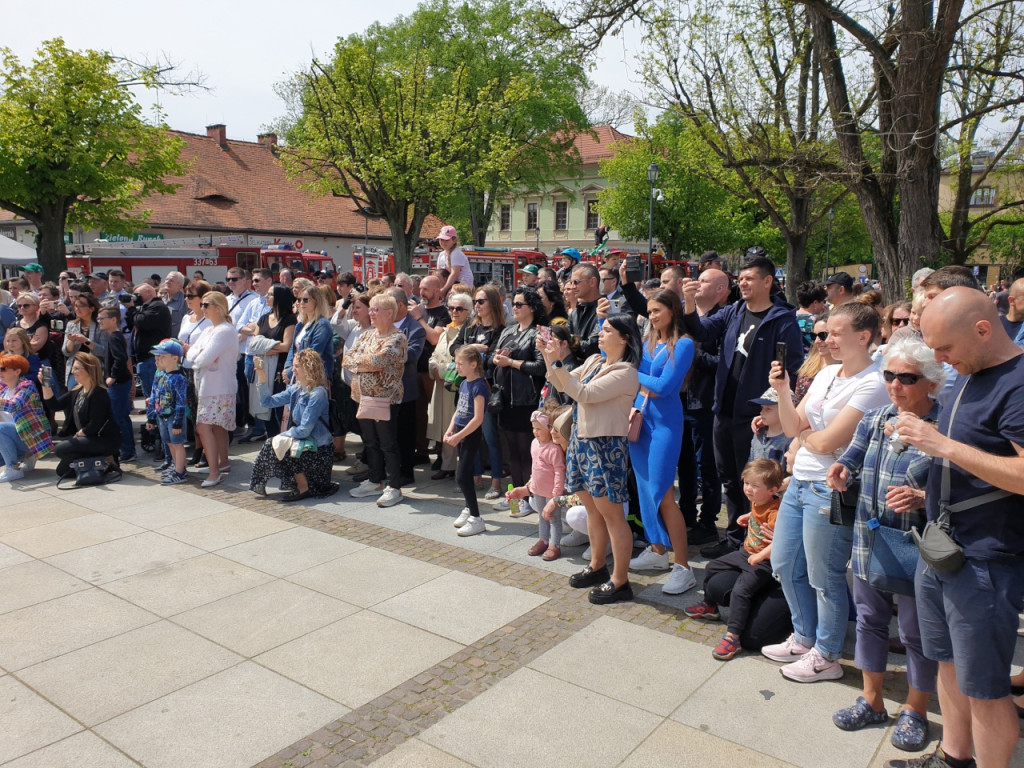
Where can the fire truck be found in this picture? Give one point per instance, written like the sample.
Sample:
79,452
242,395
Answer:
659,263
140,260
487,264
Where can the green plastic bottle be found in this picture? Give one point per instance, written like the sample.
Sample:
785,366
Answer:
513,504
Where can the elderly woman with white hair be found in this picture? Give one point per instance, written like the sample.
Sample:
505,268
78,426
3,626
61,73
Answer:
884,558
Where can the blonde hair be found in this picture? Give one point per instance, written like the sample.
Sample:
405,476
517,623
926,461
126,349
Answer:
219,300
301,284
312,364
384,301
92,366
22,335
321,307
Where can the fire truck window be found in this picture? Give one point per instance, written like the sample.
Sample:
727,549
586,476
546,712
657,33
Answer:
274,267
246,260
297,265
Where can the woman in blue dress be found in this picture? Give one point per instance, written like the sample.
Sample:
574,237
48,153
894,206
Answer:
668,355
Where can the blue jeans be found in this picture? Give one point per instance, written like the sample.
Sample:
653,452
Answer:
12,447
121,405
493,437
809,558
147,372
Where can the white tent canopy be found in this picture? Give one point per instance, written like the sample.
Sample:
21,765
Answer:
13,252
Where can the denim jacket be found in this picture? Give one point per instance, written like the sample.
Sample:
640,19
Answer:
308,416
320,337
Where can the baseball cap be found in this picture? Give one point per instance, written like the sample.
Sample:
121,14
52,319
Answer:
32,267
168,347
708,256
448,232
97,276
770,397
531,269
840,278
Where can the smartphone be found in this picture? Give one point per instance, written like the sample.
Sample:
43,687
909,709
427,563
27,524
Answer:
544,332
615,306
634,269
780,354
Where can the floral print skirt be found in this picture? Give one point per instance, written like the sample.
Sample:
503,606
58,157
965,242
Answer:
315,465
217,410
598,466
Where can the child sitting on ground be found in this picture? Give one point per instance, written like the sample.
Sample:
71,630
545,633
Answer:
547,480
770,442
762,479
167,409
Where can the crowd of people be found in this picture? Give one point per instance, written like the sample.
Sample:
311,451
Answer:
623,415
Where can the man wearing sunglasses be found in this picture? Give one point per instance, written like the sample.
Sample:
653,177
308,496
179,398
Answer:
240,304
583,319
175,282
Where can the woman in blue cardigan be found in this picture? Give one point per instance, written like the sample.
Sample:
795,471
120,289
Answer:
303,454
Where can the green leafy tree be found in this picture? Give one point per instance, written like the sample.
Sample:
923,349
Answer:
74,148
694,213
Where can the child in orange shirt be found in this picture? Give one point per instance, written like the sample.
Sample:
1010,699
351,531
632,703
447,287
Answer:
762,479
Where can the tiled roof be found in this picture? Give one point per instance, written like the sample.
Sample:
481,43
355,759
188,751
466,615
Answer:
597,146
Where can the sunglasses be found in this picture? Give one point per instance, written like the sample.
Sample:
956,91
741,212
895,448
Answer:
232,279
900,321
304,300
906,379
205,304
22,306
820,336
479,302
575,282
610,277
191,296
458,309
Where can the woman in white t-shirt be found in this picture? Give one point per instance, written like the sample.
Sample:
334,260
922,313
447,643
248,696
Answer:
809,554
453,259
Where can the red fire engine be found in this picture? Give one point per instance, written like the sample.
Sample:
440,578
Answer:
487,263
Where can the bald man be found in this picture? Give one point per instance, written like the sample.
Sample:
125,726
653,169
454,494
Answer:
713,290
969,617
1015,314
150,320
433,316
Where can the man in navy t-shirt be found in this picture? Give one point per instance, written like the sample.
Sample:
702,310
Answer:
969,618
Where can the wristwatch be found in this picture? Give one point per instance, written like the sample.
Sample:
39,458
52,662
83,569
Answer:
558,364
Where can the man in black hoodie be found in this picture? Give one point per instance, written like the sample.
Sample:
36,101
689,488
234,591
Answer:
749,331
150,320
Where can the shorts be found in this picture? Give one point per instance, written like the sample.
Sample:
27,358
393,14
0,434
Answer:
167,433
217,410
970,618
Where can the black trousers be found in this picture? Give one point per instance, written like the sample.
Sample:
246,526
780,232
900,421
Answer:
768,617
380,439
83,448
242,416
732,451
750,580
469,449
698,451
407,437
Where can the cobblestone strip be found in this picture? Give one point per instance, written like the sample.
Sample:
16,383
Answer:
372,730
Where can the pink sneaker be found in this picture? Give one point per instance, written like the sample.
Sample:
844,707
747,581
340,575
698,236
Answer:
788,651
811,668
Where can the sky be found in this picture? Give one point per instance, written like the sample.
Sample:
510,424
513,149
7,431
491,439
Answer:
241,49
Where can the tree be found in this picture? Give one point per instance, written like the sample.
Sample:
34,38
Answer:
694,214
74,148
765,139
602,106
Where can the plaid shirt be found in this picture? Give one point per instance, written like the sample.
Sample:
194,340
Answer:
24,405
871,448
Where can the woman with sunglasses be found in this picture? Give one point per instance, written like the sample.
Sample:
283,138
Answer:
352,324
96,431
36,325
518,369
213,356
483,332
443,401
896,316
83,334
192,326
313,329
890,471
818,357
26,437
809,554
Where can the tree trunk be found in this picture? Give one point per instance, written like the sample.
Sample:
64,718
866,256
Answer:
50,241
796,235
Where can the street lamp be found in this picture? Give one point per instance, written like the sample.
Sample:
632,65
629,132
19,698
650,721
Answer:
828,240
652,177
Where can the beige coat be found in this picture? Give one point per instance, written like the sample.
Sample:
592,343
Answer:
604,401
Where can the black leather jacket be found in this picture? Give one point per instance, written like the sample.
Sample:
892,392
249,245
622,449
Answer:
520,386
583,323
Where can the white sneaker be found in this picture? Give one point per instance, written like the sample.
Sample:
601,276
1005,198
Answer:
788,651
492,493
472,527
502,505
366,488
464,515
812,667
649,560
680,580
356,468
575,539
390,497
10,473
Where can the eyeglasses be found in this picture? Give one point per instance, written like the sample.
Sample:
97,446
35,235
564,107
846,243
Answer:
479,302
458,309
575,282
205,304
304,300
610,277
906,379
519,304
22,306
899,321
820,336
191,296
232,279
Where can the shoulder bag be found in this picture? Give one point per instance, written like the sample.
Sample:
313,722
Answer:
636,420
91,471
374,408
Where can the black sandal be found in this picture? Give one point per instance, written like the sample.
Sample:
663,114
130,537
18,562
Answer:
295,495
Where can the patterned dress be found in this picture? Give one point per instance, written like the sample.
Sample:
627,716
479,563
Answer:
597,465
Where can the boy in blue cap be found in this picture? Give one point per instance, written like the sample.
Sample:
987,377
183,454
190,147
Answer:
167,408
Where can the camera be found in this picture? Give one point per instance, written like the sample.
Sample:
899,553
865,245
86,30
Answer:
124,298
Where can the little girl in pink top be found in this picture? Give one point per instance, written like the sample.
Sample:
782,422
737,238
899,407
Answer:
547,480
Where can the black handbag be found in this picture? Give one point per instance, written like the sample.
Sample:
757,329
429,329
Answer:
91,471
495,404
843,509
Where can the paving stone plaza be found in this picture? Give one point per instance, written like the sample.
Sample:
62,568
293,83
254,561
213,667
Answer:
171,627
